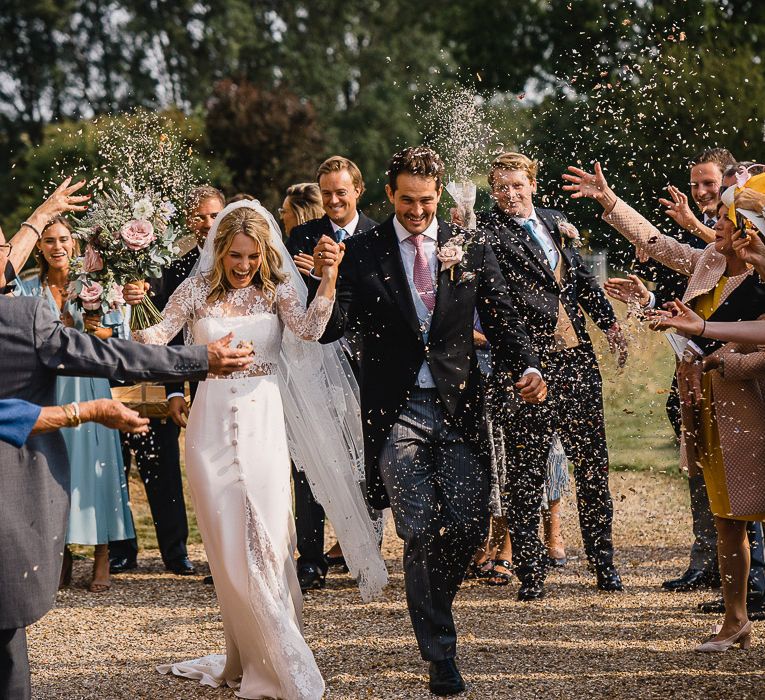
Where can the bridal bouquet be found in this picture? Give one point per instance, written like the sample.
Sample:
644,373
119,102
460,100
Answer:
126,236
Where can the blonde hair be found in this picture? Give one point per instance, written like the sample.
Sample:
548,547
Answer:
248,222
334,164
514,161
305,200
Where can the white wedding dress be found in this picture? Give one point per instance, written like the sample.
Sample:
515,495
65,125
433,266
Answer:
238,468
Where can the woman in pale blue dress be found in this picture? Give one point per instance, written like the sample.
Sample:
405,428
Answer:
99,498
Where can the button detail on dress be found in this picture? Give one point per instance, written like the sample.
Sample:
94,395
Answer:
233,390
241,477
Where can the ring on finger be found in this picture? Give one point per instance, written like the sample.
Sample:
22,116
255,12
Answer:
321,254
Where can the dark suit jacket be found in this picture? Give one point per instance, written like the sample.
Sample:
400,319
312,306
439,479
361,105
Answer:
532,284
303,238
163,288
374,295
34,495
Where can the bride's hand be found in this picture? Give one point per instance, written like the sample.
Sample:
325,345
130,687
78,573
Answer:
331,268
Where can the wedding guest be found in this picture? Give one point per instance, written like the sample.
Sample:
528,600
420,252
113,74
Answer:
99,509
17,251
421,392
721,397
551,288
340,187
157,454
34,497
301,204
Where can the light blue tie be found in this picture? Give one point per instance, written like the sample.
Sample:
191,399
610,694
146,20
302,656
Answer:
550,254
340,235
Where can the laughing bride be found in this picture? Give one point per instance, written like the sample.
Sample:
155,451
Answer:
297,399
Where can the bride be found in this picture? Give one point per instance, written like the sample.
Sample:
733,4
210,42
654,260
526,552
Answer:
296,397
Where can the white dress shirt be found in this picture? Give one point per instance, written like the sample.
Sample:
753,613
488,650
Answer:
349,228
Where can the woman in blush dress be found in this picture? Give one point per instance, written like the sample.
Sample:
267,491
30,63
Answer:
238,458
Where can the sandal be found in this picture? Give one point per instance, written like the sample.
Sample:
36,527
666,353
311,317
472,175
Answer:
99,586
476,570
500,578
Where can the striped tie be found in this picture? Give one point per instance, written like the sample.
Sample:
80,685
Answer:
423,281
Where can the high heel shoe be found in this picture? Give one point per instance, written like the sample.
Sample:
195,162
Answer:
743,638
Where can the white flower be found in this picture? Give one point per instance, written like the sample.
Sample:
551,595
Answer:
167,210
568,230
143,209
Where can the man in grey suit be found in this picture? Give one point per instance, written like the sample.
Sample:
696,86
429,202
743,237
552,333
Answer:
34,497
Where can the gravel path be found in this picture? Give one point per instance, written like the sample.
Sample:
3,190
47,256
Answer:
576,643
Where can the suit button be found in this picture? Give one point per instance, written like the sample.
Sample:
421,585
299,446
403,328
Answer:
233,390
241,477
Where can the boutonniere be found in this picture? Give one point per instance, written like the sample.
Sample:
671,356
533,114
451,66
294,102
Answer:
569,232
451,253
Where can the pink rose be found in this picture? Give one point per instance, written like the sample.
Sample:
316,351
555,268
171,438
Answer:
90,295
450,254
137,234
92,262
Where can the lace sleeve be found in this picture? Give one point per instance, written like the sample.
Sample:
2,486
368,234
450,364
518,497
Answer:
178,311
306,323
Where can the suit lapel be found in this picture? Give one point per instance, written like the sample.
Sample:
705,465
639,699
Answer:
444,284
385,245
731,285
533,248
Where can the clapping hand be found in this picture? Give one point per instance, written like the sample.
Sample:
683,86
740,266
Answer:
532,388
617,344
630,290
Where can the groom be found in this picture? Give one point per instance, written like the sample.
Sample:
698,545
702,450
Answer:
411,286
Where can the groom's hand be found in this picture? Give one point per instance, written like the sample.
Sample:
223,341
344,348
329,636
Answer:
532,388
326,254
224,360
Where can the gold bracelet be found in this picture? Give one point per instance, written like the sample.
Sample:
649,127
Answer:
69,413
76,409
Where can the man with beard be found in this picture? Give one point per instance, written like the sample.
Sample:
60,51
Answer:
157,453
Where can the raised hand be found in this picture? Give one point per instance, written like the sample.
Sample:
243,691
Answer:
223,360
678,316
591,185
678,208
327,253
617,344
630,290
62,200
532,388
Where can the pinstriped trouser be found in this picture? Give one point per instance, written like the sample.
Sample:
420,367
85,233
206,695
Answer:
439,492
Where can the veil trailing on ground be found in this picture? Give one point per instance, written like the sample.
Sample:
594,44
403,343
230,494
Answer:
323,419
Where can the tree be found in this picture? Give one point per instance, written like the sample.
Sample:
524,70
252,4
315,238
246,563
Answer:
267,138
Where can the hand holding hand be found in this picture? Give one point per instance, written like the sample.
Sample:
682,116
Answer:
223,360
591,185
532,388
678,316
178,410
630,290
750,200
134,292
304,263
326,253
115,415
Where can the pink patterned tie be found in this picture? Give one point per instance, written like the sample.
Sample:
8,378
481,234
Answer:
423,281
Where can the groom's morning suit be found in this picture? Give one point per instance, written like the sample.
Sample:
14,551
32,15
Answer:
157,454
309,514
550,285
422,403
34,496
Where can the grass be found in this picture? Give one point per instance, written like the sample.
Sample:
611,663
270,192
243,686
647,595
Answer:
638,432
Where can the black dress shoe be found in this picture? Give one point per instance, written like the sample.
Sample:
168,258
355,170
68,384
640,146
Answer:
692,580
311,577
755,606
555,563
531,589
181,567
208,581
445,678
712,607
608,578
119,565
337,561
